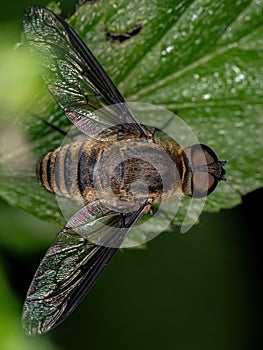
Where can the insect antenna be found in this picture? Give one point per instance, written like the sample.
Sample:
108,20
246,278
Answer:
224,162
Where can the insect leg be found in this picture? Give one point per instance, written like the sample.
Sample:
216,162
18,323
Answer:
54,127
168,122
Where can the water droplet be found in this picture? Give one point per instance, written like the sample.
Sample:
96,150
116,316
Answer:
206,96
239,78
194,17
169,48
235,69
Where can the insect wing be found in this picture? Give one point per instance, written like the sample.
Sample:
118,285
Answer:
70,268
73,75
70,265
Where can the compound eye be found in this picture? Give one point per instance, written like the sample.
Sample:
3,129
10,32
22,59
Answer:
201,155
203,184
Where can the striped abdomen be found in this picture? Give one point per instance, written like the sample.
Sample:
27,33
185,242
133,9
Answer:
68,170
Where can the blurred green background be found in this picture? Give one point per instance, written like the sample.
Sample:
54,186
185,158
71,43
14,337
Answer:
200,290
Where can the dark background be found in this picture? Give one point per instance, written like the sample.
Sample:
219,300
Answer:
200,290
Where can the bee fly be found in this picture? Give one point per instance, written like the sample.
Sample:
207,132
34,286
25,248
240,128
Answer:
100,172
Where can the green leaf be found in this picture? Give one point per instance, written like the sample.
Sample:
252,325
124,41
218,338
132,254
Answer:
200,59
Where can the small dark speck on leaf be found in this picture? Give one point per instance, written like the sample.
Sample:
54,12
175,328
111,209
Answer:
116,37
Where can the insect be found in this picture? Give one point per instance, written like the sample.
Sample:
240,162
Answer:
119,173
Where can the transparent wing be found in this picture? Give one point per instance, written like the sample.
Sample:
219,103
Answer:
73,75
72,265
